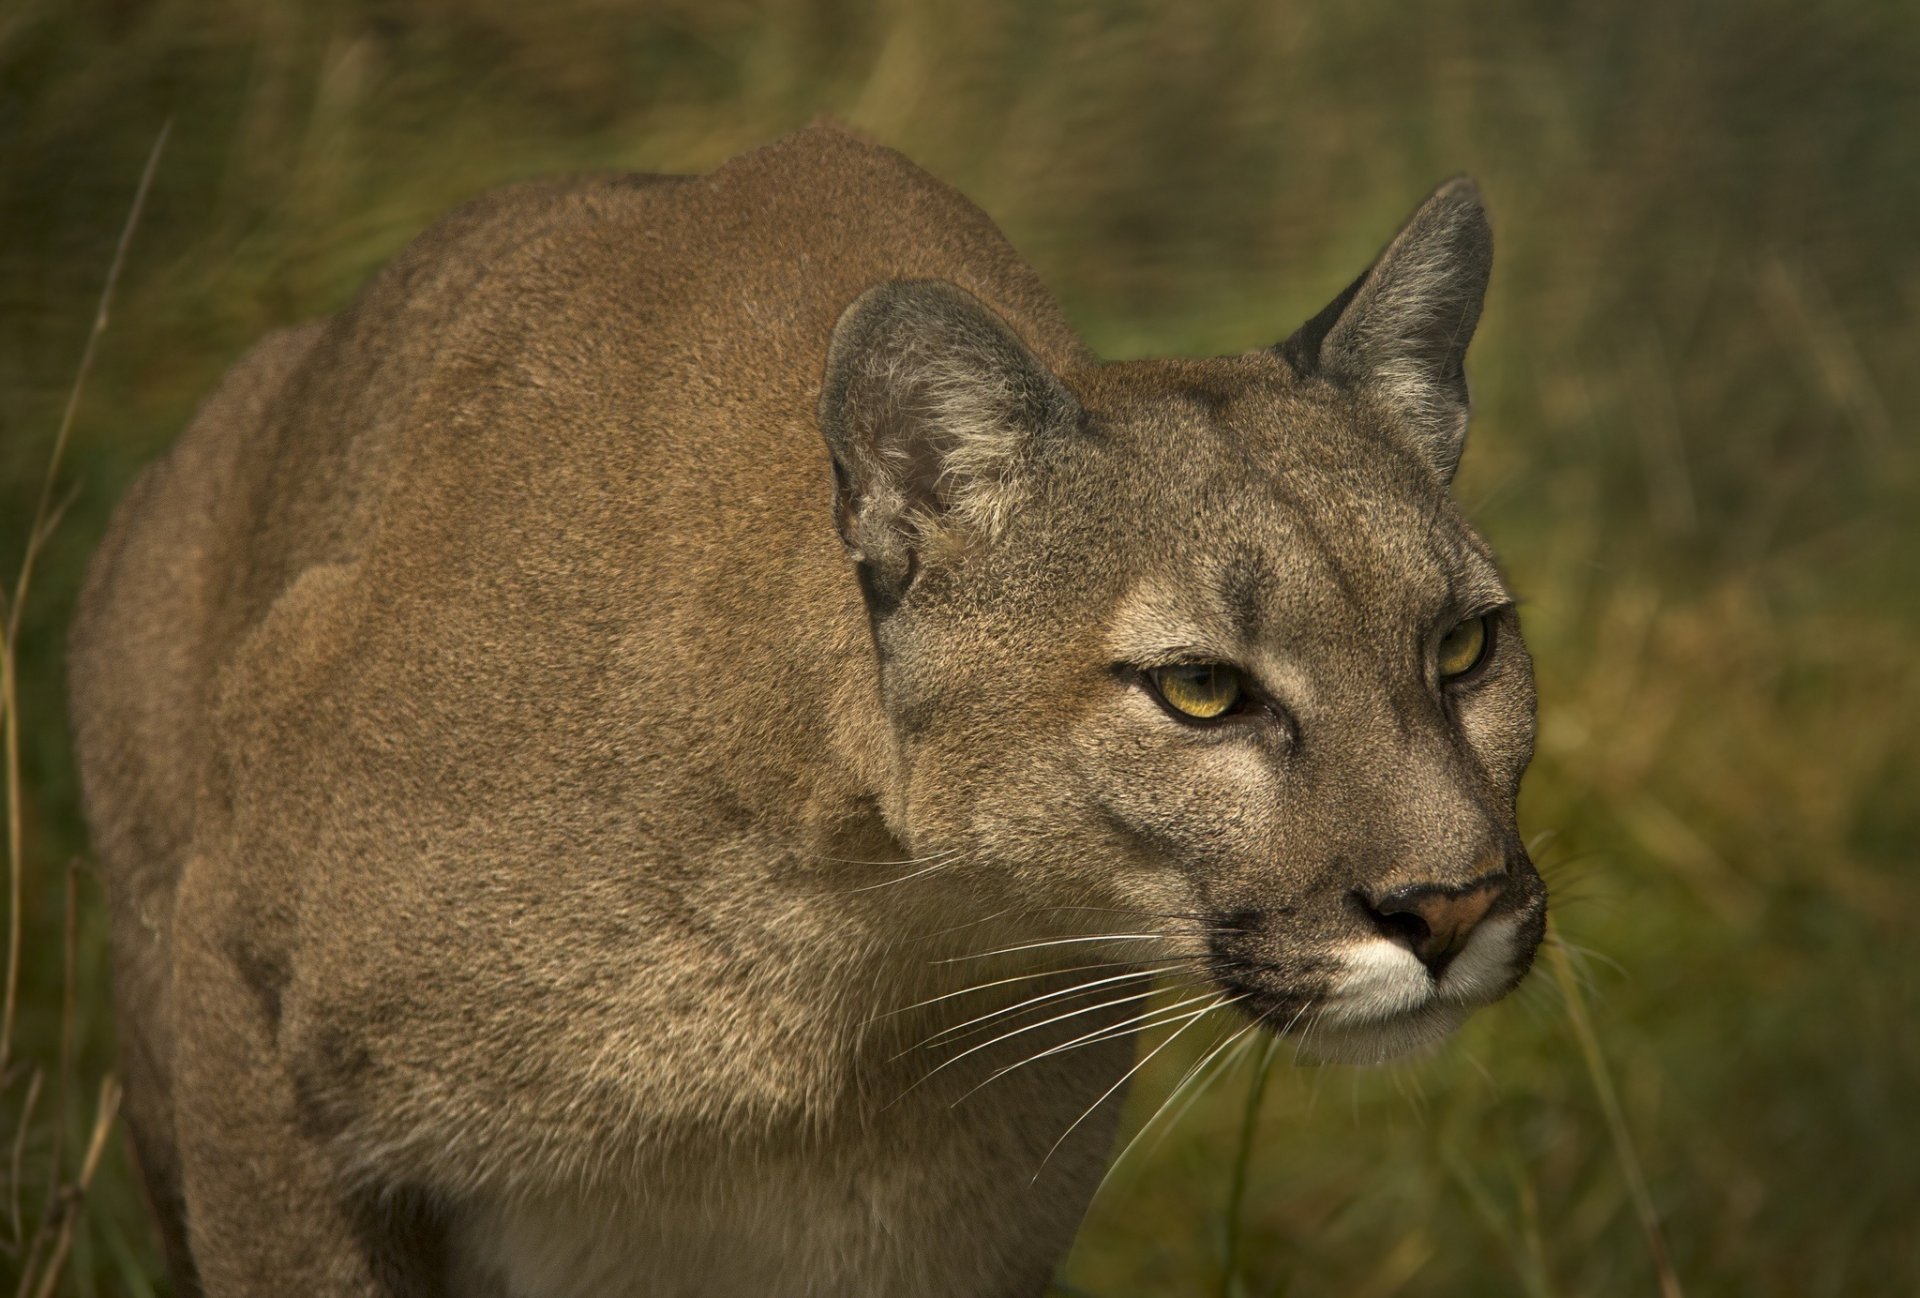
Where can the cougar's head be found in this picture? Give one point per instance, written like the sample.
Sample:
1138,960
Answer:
1204,646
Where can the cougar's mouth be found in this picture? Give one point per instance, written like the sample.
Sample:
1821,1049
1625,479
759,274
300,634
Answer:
1376,1000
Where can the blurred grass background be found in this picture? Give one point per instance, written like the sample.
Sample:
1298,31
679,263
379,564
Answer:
1694,447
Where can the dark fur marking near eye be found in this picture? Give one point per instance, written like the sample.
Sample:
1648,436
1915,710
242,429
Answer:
1322,544
1343,580
1244,582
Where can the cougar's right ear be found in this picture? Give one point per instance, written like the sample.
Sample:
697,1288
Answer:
929,405
1401,330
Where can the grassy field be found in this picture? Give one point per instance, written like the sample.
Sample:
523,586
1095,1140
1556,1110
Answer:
1694,447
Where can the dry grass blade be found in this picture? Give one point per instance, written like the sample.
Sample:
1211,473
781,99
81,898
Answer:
36,538
57,1221
1623,1150
16,890
15,1221
71,1197
69,1016
1242,1157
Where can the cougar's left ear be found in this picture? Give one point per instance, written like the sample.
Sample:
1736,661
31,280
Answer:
929,405
1401,330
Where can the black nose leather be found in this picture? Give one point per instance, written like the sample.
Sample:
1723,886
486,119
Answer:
1434,921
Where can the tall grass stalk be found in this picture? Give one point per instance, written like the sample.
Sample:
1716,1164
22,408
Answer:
1623,1149
1242,1157
46,1253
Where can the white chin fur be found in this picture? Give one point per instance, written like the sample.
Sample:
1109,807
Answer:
1376,1043
1384,1003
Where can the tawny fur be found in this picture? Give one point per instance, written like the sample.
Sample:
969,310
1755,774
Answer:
508,735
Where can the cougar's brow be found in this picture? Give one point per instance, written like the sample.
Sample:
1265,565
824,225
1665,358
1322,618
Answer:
1242,583
1474,583
1322,545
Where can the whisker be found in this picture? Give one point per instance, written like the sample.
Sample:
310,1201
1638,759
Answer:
1581,954
1138,1023
1198,1063
917,874
946,1063
946,855
928,934
1059,941
1142,914
1192,1074
1020,978
1144,1061
1297,1014
959,1029
1085,1009
1306,1033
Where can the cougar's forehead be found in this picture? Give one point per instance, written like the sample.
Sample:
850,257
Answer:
1261,514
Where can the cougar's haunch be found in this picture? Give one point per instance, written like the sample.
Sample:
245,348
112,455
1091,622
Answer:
597,748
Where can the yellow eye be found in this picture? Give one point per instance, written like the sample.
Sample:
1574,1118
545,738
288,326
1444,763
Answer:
1203,691
1463,648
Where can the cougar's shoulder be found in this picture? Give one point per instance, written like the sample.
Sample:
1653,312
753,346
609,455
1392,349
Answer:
529,516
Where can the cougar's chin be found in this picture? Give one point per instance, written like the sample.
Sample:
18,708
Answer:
1378,1041
1381,1002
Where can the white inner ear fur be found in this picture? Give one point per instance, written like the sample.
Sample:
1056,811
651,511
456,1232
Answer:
976,411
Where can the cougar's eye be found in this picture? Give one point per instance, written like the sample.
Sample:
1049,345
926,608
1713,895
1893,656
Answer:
1463,648
1202,691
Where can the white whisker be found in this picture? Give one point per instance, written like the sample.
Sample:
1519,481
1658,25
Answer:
1059,941
917,874
927,935
1021,978
947,855
959,1029
1192,1074
1031,1027
1306,1033
1144,1061
1139,1023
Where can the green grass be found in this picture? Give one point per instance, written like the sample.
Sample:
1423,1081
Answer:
1694,447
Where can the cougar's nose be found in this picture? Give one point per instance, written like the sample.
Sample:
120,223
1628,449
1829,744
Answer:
1434,921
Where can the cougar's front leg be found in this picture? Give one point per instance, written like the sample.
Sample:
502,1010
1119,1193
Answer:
269,1210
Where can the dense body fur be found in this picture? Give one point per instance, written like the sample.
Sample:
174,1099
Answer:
508,781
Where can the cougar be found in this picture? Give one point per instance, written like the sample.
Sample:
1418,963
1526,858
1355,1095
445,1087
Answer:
674,746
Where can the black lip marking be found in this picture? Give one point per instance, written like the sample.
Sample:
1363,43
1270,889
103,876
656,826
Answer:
1278,1012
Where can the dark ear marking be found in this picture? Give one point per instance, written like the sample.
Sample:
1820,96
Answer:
929,405
1401,330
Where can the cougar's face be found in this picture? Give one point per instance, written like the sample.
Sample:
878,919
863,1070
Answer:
1239,676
